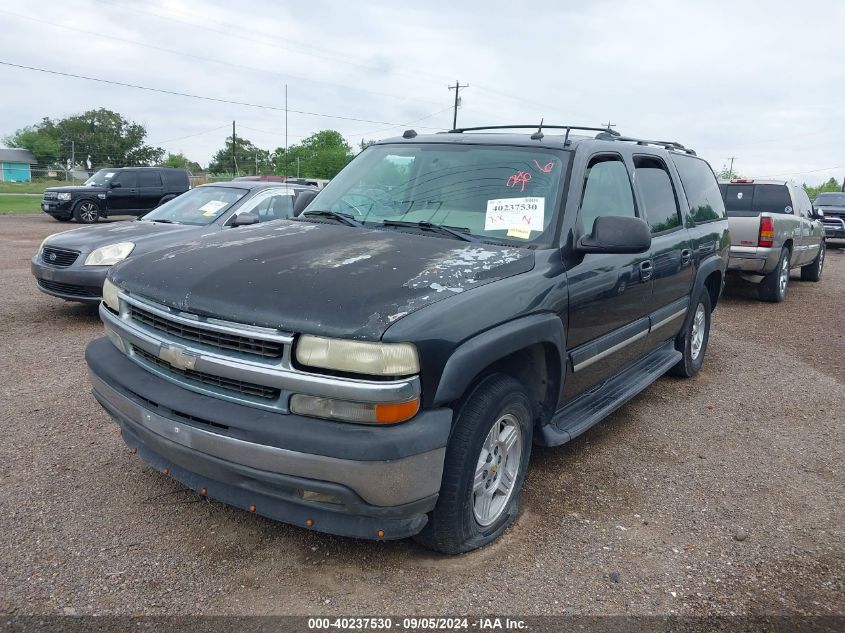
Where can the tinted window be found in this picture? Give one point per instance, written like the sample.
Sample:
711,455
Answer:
832,199
738,197
700,187
654,185
607,191
199,206
149,179
772,199
127,179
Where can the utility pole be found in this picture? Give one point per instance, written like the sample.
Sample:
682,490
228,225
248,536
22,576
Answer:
286,131
297,166
256,161
234,161
608,125
731,166
457,88
843,184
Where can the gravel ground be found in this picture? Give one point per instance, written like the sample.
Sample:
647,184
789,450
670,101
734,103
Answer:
712,496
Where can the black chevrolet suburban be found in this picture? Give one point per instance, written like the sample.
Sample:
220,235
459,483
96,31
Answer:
120,191
380,365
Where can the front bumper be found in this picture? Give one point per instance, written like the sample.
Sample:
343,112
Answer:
383,479
753,260
57,208
74,283
834,228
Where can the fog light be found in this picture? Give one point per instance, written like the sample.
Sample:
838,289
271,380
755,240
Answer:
359,412
319,497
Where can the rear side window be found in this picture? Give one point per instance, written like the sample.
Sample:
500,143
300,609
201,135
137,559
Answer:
771,199
149,179
607,191
657,194
700,187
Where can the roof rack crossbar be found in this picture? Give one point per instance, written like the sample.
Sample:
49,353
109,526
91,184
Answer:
664,144
607,130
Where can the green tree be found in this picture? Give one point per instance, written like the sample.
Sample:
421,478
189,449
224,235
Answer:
831,185
105,136
250,159
321,155
181,162
726,173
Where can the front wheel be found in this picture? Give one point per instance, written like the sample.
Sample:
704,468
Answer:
692,343
813,270
86,212
485,465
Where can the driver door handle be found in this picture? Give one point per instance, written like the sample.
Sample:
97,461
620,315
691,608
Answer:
646,270
686,256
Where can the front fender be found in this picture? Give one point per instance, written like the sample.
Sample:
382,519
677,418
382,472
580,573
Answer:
481,351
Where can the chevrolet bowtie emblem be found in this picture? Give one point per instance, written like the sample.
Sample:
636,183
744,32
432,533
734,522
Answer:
177,356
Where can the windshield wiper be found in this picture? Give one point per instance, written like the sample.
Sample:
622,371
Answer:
162,221
458,232
343,218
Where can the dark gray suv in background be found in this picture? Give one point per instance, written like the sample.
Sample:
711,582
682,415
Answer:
111,191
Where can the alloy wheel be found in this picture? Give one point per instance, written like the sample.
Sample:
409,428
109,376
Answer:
497,470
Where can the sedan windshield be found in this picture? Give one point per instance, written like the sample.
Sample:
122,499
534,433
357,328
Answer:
100,179
832,199
503,193
198,206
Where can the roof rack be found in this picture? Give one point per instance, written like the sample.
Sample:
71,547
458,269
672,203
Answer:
640,141
606,130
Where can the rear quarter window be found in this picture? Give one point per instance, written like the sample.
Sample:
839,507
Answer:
701,188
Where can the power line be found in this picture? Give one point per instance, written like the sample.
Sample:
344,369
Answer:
202,97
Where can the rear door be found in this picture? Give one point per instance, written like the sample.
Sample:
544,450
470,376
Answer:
150,188
123,195
609,295
671,249
812,230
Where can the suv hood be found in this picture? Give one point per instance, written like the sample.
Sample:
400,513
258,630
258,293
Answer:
75,189
87,238
316,278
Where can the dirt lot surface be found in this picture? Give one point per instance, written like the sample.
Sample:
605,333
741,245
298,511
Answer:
717,495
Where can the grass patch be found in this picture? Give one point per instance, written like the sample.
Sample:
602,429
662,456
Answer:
19,204
32,187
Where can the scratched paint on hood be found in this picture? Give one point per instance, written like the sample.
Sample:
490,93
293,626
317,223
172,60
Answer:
459,268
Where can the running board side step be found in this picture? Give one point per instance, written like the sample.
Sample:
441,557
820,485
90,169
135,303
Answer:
592,407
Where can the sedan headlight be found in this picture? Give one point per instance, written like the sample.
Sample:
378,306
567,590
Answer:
359,357
110,291
63,196
43,242
108,255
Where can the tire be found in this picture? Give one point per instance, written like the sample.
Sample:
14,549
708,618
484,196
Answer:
692,342
774,285
813,270
86,212
476,503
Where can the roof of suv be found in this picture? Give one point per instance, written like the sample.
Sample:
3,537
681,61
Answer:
548,136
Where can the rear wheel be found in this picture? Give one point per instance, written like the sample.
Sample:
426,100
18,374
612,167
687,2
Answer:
813,270
86,212
692,343
485,465
774,285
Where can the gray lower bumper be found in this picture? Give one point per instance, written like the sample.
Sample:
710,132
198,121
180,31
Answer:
380,499
75,283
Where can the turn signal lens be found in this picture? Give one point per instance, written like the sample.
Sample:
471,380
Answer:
358,412
767,232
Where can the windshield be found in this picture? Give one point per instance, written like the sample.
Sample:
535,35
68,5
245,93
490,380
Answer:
198,206
832,199
503,193
100,179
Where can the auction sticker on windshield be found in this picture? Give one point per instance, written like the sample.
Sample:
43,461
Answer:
213,206
506,213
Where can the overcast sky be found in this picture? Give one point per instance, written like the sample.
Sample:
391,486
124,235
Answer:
761,81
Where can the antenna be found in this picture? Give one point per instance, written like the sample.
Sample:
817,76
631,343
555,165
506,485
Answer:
539,133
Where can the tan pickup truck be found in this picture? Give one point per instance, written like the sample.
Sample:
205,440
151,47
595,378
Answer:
774,229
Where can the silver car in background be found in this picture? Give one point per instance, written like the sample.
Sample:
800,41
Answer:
774,229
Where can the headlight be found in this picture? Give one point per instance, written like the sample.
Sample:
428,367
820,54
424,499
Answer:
108,255
63,196
373,359
43,242
110,295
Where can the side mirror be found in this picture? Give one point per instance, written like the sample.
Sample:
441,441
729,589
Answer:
614,234
245,219
817,214
114,185
302,201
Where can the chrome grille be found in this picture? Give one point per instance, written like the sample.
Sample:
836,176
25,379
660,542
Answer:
211,338
60,257
51,195
239,386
